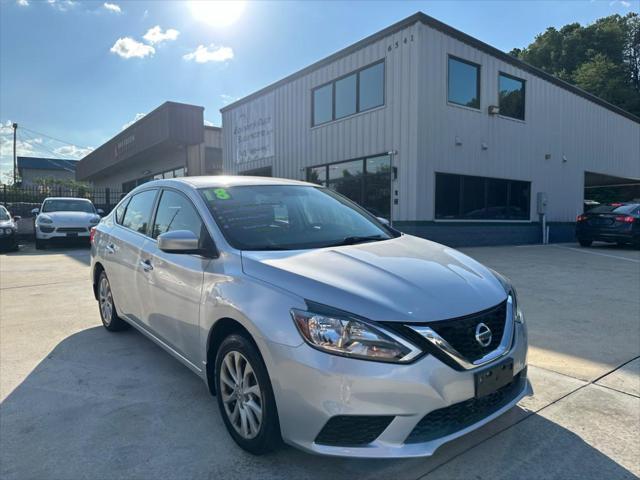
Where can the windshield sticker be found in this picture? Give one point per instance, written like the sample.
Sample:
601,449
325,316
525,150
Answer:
217,194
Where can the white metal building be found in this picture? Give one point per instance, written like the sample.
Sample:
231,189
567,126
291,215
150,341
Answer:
451,138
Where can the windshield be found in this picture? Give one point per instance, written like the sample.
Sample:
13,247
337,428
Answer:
68,206
289,217
4,215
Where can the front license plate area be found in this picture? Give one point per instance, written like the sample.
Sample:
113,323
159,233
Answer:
72,235
494,378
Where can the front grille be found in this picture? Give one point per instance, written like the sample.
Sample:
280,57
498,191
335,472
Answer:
44,229
72,229
458,416
461,332
352,430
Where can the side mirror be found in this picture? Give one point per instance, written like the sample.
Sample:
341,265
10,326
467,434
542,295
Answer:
100,212
35,211
384,221
16,218
179,241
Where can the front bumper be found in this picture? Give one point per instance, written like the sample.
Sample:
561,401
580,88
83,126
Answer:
8,240
311,387
59,232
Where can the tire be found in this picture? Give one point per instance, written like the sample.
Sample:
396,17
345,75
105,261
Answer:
585,242
248,411
107,307
41,244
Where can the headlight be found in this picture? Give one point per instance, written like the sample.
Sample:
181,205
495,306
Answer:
8,231
510,290
42,219
351,337
94,220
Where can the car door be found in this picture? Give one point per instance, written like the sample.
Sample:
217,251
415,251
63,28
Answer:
173,281
124,249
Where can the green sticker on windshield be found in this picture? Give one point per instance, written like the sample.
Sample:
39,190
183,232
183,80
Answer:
218,193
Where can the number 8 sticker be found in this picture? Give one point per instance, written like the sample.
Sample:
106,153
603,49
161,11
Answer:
221,194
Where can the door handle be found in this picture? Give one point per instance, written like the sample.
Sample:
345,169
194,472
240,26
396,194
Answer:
110,248
146,265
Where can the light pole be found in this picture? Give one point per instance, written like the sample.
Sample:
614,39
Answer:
15,166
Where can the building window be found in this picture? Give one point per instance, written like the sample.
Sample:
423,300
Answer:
463,83
511,96
371,87
173,173
346,96
258,172
366,181
213,160
323,104
353,93
480,198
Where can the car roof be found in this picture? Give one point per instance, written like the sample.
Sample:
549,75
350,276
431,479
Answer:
229,181
67,198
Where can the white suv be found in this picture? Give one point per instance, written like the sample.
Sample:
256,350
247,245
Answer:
64,218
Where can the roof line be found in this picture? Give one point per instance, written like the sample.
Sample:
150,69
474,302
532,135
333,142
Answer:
452,32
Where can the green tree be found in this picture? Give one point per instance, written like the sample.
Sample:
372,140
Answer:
602,58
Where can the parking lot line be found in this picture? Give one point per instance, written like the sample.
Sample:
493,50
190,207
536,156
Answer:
596,253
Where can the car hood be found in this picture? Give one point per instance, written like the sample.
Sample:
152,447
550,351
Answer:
402,279
81,218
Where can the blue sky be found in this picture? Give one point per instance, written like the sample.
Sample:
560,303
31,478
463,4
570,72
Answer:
78,71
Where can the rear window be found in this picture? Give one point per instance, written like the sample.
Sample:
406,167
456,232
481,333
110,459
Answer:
631,208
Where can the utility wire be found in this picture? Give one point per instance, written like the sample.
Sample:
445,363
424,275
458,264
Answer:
20,127
36,145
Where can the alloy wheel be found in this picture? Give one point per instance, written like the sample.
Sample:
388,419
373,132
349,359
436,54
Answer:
106,300
241,394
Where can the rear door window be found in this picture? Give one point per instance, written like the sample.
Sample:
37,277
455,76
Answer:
120,209
138,213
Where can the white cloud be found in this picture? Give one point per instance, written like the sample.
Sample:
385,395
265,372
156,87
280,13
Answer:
23,3
227,99
62,5
135,119
73,152
212,53
625,3
207,123
156,35
112,7
127,47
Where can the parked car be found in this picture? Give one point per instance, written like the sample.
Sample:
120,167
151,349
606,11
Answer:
8,230
312,321
618,223
63,219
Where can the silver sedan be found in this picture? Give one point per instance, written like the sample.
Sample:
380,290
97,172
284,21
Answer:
313,322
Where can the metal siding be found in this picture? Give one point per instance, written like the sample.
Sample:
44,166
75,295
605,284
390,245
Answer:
417,122
557,122
387,128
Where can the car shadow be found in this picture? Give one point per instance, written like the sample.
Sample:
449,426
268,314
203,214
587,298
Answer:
77,250
105,405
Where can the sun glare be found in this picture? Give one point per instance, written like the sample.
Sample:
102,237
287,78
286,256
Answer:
218,13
